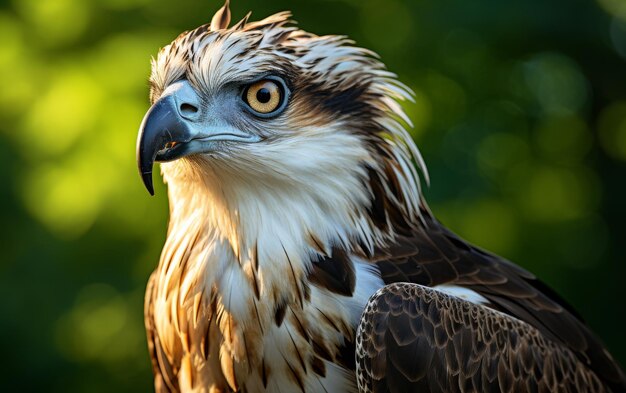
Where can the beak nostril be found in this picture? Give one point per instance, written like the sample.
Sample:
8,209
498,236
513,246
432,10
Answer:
188,109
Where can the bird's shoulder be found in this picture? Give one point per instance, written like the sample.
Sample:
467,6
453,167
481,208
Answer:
431,255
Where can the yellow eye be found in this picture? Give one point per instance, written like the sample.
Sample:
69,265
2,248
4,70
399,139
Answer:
264,96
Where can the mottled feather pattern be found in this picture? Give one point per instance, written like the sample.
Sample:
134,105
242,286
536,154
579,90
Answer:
433,256
417,339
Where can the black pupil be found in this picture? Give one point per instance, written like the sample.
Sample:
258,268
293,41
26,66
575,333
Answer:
263,95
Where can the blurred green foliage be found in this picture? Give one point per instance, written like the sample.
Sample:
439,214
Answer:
520,113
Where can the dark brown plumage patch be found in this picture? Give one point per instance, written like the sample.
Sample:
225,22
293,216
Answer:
377,210
345,355
346,102
264,373
334,273
306,289
318,366
321,350
279,313
335,99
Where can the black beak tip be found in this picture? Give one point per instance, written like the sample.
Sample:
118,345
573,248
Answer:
147,182
162,124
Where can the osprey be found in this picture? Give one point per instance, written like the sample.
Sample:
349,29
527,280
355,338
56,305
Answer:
300,254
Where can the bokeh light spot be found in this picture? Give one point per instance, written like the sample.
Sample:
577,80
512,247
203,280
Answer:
487,223
615,7
612,130
123,5
563,139
618,36
447,96
12,41
97,327
56,22
492,225
389,16
63,197
501,151
558,194
556,83
120,63
61,114
19,76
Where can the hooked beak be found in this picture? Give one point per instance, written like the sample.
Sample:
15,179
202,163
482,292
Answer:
170,130
161,137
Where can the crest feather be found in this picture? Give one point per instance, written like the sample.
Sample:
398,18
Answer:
277,20
221,19
242,23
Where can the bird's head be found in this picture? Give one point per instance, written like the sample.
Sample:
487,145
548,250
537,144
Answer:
266,103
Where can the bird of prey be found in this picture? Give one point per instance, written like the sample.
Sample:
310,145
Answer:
301,255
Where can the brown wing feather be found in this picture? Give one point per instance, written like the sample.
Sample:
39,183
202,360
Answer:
164,379
431,255
415,339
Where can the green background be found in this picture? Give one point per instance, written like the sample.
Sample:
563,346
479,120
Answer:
520,114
